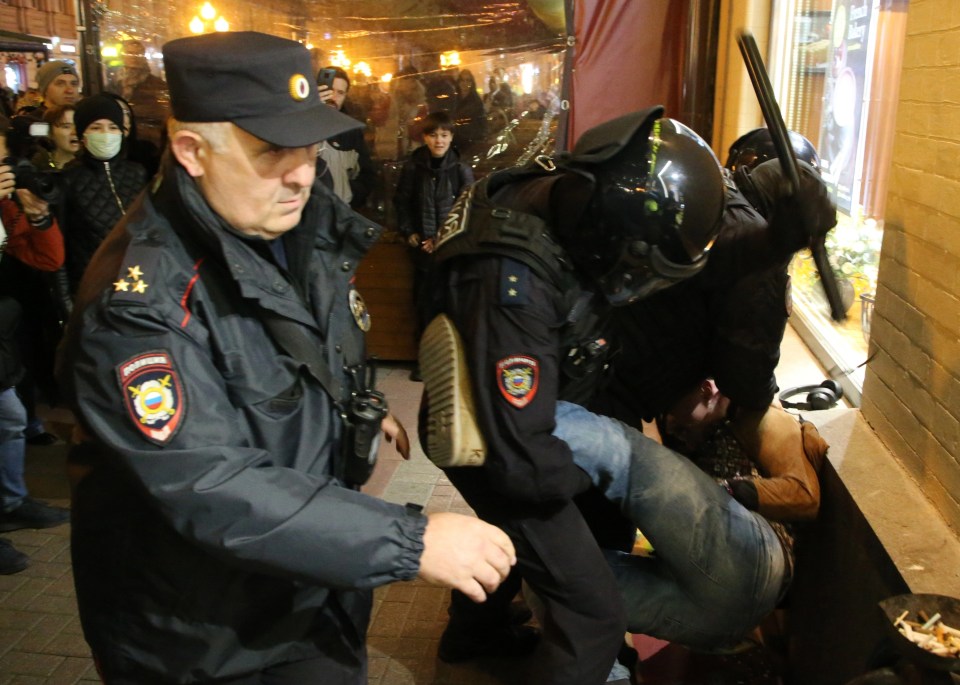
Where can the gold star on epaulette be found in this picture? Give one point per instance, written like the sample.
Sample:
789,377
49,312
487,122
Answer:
121,286
135,272
140,287
512,279
512,292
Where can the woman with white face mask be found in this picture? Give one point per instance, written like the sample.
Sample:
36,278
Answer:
100,185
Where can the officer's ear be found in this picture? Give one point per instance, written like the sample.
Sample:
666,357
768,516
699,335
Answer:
188,149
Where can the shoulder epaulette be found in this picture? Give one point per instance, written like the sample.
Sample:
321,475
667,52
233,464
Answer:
138,271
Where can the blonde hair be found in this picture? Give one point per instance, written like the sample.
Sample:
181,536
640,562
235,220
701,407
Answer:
214,132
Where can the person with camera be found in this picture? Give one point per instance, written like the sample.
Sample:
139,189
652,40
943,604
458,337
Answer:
346,154
216,363
99,186
31,241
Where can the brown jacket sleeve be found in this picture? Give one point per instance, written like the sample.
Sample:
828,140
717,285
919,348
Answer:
788,455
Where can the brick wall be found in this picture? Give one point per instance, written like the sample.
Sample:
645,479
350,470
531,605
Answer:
911,394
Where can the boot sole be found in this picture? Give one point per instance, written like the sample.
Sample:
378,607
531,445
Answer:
453,437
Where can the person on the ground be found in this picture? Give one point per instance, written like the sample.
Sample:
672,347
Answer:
216,364
762,477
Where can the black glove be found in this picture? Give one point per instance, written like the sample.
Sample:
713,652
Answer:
796,221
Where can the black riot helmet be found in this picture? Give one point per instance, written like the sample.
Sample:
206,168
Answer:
756,146
655,205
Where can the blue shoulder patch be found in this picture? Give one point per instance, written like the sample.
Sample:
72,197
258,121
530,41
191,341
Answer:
137,272
514,283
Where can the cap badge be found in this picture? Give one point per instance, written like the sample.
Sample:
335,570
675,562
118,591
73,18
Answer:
299,87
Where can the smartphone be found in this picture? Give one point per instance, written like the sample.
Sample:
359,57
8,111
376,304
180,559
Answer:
325,77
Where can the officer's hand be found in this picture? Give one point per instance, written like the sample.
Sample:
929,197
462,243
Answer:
428,245
7,181
394,430
798,220
465,553
414,240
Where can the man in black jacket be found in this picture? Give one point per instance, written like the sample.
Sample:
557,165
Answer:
215,360
530,261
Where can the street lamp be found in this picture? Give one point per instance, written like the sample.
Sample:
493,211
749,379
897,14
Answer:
205,22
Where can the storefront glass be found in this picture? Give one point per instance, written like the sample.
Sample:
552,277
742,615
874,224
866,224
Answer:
405,58
836,70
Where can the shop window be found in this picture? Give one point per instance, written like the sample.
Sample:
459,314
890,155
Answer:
404,59
836,71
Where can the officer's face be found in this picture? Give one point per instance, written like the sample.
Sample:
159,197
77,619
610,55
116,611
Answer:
258,188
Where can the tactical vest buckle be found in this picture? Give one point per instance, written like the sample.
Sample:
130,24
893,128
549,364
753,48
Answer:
545,163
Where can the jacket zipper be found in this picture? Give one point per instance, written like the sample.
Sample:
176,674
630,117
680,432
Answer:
113,189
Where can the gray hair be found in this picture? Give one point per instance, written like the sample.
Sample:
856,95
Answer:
214,132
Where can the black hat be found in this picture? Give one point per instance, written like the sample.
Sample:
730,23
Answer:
95,107
259,82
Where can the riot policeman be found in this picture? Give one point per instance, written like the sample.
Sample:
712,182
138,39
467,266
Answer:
532,259
728,322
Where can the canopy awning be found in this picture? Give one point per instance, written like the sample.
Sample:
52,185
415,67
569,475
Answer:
21,42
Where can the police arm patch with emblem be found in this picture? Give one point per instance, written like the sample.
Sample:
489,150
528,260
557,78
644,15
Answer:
153,395
518,378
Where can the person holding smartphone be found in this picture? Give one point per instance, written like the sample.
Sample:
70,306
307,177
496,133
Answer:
346,155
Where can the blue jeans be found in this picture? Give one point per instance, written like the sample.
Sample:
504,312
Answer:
13,420
718,568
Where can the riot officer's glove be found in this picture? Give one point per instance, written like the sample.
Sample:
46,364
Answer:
796,221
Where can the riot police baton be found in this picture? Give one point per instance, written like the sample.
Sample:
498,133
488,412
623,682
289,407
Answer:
788,161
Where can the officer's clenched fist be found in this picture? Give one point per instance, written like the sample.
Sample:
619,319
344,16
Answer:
465,553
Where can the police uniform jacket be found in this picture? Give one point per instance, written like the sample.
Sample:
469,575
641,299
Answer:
211,537
521,325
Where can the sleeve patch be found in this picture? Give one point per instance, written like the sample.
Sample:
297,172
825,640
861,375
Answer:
518,378
153,395
514,283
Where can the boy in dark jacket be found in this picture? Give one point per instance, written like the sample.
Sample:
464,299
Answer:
430,181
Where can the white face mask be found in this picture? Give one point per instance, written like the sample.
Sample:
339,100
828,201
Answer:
103,145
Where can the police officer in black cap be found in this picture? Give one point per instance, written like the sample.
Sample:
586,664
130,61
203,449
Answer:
532,258
215,361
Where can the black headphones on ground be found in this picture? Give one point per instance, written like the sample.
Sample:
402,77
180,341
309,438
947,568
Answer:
823,396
